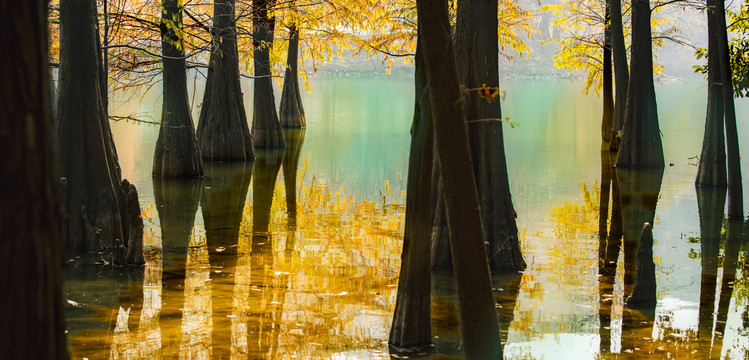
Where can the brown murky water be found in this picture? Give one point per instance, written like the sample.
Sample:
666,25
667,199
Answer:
243,265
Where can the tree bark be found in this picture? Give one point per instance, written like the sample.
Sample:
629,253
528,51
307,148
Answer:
266,128
711,170
478,317
411,329
223,133
176,151
93,197
735,190
607,118
291,113
621,71
476,44
641,139
32,252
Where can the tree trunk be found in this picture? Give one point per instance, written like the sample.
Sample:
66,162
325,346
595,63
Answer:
641,139
712,166
735,191
607,118
478,317
643,293
412,324
477,62
93,197
621,71
176,151
32,248
291,113
223,133
266,129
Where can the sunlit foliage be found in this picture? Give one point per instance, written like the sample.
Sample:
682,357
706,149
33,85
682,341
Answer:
581,44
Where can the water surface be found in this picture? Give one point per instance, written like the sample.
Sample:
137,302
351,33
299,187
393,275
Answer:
296,255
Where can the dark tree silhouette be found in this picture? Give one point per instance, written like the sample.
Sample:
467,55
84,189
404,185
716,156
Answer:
176,151
621,70
223,132
95,199
735,191
641,139
643,292
291,113
412,326
266,128
711,170
478,316
476,44
607,118
32,251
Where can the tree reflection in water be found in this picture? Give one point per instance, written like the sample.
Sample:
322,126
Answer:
259,287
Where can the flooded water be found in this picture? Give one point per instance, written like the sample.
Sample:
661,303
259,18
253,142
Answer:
297,254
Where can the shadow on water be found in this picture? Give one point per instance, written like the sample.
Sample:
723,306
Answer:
445,316
223,202
176,203
639,191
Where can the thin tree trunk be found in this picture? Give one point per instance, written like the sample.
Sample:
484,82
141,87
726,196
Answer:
711,170
291,113
412,324
478,317
176,151
266,128
735,191
223,133
607,118
621,71
32,252
641,138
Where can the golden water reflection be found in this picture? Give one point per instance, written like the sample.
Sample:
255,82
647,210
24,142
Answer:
228,279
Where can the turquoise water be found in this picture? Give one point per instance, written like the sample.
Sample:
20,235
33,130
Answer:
356,144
